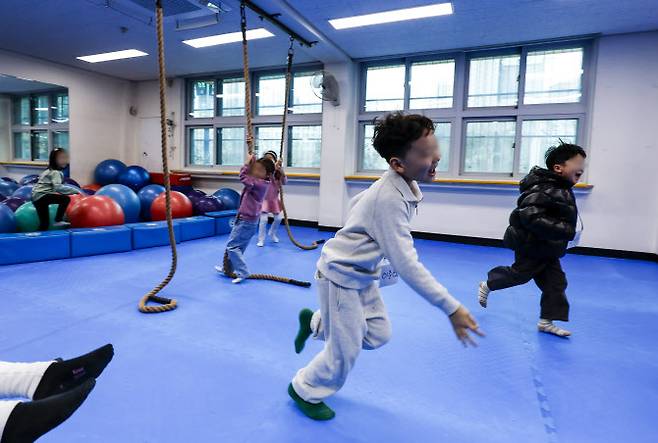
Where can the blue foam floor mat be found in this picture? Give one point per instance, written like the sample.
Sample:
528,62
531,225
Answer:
217,368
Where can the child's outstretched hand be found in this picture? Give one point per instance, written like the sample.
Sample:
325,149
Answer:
462,321
250,158
278,165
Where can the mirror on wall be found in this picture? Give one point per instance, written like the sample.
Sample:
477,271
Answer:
34,119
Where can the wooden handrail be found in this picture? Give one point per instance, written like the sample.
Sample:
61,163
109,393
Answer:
461,181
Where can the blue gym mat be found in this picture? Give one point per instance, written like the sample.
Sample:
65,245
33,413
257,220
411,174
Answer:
217,368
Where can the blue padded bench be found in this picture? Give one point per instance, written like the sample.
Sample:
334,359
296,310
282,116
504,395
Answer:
105,240
224,220
34,246
196,227
150,234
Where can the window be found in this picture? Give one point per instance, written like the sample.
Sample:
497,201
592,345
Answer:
372,161
489,147
304,146
22,146
385,88
268,138
224,117
231,146
304,99
203,99
61,139
538,135
40,123
496,111
231,98
202,146
432,84
60,108
493,81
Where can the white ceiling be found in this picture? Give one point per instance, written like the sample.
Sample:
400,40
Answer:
60,30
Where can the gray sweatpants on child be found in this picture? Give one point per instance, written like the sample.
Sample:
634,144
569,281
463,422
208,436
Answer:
348,320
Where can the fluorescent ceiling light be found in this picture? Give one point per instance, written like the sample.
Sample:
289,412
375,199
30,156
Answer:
231,37
396,15
116,55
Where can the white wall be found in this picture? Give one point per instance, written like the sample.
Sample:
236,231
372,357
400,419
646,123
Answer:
100,126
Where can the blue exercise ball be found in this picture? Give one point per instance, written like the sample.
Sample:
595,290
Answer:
29,180
135,177
108,171
7,219
24,192
13,203
205,204
146,196
229,198
7,188
8,179
126,198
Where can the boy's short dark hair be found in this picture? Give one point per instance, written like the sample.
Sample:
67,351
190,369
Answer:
558,155
267,164
395,133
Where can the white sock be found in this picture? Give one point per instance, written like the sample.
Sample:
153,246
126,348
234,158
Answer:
550,328
262,228
275,227
21,379
483,293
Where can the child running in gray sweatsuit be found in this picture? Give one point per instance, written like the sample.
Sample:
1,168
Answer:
352,315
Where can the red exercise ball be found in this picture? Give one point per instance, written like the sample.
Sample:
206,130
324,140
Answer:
95,210
181,206
74,199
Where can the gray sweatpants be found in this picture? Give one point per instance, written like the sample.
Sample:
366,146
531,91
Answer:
348,320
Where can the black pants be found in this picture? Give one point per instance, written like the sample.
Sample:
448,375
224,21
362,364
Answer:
548,276
42,204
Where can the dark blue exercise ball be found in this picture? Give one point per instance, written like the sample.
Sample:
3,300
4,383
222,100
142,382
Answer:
206,204
229,198
7,220
135,177
70,181
7,188
13,203
108,171
29,180
24,192
146,196
8,179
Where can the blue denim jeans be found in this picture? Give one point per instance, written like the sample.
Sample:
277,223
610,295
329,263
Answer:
238,241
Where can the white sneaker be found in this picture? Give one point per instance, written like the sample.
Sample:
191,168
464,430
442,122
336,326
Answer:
260,243
219,269
483,294
61,224
236,281
549,327
275,238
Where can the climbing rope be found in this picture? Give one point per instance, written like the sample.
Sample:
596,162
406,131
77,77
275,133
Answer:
227,267
163,304
282,150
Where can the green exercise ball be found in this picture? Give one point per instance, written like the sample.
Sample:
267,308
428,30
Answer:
27,219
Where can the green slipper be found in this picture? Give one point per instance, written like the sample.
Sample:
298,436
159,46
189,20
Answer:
304,332
316,411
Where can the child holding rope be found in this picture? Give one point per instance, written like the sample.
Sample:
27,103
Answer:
352,315
254,175
272,203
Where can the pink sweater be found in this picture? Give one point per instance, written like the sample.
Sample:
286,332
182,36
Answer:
272,203
253,194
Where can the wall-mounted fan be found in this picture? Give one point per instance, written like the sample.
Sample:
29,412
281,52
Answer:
325,87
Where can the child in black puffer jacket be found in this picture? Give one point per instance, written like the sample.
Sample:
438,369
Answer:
541,227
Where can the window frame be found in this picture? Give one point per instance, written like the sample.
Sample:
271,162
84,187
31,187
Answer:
460,113
218,121
50,128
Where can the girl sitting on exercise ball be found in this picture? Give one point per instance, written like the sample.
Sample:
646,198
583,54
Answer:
50,190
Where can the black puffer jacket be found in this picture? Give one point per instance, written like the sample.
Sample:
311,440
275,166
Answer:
544,220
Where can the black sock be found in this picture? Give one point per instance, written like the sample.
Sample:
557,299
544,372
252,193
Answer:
29,421
67,374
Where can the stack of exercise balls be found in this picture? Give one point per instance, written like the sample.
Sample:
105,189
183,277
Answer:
120,194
